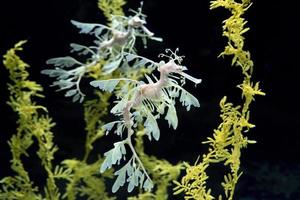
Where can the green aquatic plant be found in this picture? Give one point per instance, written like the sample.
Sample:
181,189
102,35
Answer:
229,138
117,71
34,124
111,8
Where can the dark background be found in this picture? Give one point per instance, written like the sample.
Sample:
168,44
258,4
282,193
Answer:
272,166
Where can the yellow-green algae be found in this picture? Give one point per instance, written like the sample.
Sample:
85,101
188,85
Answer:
81,177
229,138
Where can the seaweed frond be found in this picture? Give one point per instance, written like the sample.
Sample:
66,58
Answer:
33,123
111,7
229,138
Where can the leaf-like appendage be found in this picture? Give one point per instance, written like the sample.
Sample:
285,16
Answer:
63,85
106,85
108,127
121,179
113,156
151,127
63,62
57,72
129,57
76,97
118,108
51,72
81,49
140,61
120,129
71,92
88,27
112,66
110,84
188,100
148,185
172,116
135,177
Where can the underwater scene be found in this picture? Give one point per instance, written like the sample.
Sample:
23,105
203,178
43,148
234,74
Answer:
149,100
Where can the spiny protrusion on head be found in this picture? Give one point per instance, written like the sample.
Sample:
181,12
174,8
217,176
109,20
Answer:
174,66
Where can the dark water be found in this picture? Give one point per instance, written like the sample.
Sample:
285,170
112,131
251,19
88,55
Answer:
274,45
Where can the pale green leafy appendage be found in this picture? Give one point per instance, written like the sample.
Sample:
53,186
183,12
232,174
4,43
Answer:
86,180
161,171
141,104
106,54
229,138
